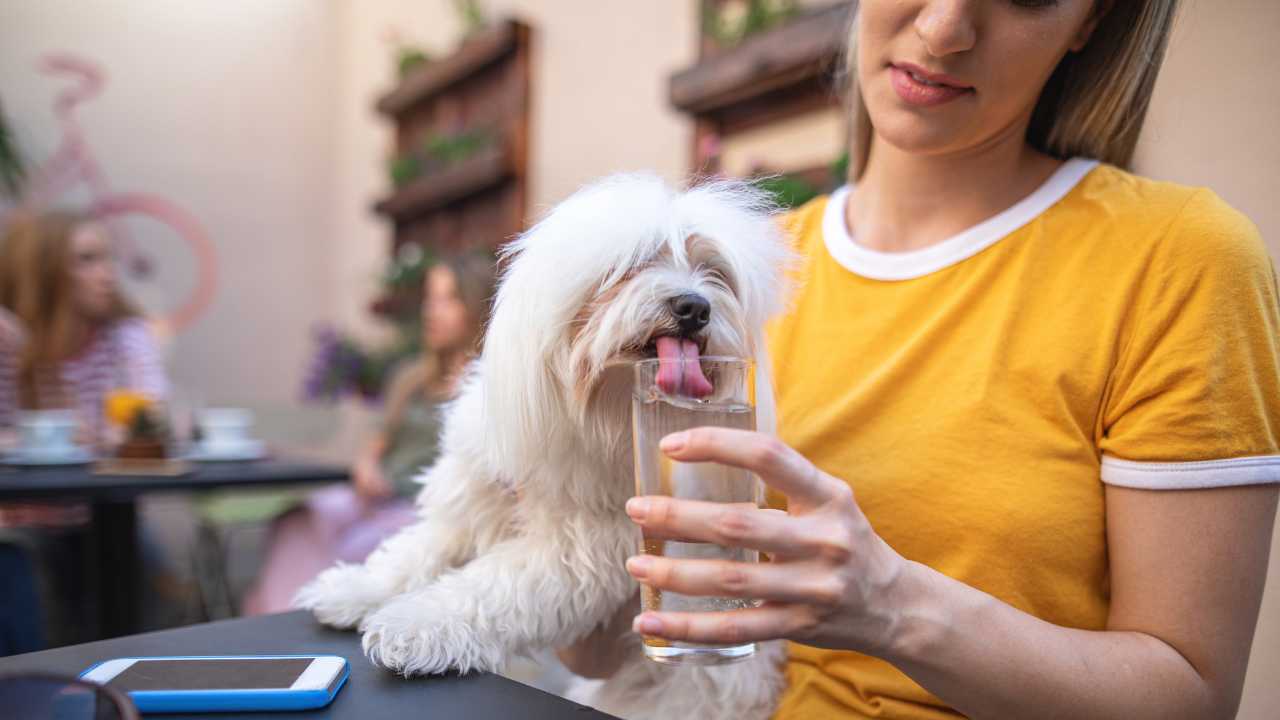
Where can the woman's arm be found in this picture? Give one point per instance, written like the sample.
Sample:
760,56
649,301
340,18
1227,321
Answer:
1187,569
12,334
600,654
12,338
141,359
366,472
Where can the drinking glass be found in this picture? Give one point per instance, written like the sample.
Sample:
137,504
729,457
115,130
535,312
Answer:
669,396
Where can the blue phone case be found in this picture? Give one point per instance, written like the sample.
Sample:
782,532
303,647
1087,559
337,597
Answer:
178,701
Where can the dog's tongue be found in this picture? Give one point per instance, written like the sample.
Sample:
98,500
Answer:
679,372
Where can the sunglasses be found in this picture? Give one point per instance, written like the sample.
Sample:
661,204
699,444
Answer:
50,697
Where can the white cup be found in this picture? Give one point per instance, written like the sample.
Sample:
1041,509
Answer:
225,429
48,433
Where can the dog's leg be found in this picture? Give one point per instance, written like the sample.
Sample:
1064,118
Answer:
524,594
346,593
459,519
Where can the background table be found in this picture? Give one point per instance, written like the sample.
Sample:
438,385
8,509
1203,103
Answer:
116,563
369,694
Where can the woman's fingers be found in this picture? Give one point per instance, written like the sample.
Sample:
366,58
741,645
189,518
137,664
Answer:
667,518
731,525
730,627
807,582
779,466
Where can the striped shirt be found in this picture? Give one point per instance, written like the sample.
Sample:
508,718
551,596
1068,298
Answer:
121,356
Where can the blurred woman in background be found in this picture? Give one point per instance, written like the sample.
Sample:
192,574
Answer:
69,335
455,304
347,522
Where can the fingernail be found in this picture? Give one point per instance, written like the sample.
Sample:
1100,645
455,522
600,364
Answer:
674,442
647,625
637,508
638,565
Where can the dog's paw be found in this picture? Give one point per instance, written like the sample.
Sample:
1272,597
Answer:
413,636
343,596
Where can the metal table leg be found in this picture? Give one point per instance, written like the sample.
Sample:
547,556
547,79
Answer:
118,567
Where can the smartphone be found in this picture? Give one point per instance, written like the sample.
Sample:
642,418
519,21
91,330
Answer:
224,683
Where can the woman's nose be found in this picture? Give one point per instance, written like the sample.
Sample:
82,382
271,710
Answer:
947,26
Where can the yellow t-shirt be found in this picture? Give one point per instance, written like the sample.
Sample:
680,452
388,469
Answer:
977,393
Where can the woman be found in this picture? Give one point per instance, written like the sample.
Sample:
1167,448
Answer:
69,336
1028,402
347,523
455,304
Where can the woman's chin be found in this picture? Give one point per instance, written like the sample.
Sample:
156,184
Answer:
933,132
917,135
95,313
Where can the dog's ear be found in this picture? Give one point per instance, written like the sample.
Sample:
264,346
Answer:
552,270
521,399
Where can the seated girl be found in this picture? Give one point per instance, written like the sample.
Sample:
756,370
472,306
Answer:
347,522
69,334
68,337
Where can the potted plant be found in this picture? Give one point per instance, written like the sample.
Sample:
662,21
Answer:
146,434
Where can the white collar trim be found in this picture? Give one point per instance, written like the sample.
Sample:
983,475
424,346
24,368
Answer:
879,265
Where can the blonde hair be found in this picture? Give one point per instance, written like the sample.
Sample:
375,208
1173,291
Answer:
1093,105
37,286
474,276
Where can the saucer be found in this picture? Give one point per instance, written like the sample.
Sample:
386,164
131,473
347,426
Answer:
26,456
240,452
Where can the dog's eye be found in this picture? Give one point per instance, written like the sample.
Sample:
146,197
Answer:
718,274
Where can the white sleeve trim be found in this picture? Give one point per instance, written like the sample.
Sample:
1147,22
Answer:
1256,470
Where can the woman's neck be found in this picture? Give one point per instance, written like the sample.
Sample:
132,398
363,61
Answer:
80,337
452,363
906,201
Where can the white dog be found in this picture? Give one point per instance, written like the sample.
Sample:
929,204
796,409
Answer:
522,538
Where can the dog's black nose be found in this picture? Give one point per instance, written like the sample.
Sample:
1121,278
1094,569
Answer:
691,310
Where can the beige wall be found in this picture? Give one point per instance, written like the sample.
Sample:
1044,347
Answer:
1215,121
811,140
224,108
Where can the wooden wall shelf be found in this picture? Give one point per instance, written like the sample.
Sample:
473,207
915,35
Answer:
475,203
396,303
434,77
779,74
457,182
797,54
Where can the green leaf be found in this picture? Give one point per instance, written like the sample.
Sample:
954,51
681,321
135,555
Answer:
787,191
12,171
408,58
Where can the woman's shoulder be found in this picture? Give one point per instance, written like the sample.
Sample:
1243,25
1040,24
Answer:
804,223
1162,204
132,332
1183,223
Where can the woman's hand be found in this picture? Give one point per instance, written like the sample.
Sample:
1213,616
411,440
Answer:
12,334
832,581
600,653
367,476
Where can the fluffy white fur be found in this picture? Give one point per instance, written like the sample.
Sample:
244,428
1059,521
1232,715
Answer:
523,537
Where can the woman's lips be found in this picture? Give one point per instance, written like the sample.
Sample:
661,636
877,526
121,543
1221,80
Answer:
916,87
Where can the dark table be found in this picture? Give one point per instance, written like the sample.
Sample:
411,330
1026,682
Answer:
112,498
369,694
